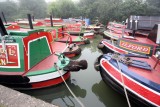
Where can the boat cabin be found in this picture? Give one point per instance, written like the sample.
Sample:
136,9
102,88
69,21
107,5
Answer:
21,50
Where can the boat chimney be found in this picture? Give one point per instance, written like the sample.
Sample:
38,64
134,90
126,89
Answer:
2,28
51,20
4,18
30,21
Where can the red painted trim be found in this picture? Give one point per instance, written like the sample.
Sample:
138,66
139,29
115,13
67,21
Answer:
32,37
132,85
114,48
13,27
89,36
51,82
54,21
70,55
80,43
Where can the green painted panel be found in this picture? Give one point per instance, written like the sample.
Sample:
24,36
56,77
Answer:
78,38
23,33
21,56
38,50
45,28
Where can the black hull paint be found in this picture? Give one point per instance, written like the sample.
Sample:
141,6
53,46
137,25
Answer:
117,87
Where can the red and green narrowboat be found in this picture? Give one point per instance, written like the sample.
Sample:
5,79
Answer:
28,61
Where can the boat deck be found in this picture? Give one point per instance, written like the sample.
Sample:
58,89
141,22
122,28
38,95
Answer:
140,39
47,63
143,39
65,38
153,74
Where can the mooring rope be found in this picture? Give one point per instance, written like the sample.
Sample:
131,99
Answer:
124,87
82,105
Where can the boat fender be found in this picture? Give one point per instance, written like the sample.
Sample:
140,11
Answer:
100,46
76,66
86,41
82,38
97,63
78,51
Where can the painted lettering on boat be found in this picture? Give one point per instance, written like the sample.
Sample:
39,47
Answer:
134,47
2,62
9,57
2,51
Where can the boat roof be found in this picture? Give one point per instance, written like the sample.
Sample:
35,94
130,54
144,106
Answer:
23,32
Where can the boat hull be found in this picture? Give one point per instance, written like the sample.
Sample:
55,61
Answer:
88,35
118,88
72,53
139,91
81,42
43,83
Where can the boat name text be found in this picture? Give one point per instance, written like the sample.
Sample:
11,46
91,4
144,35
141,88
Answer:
135,47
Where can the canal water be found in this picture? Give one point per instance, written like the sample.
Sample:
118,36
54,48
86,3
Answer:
87,85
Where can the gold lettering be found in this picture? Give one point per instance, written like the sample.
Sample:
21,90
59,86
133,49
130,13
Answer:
2,62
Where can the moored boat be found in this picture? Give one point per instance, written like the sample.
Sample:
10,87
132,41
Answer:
28,61
54,32
145,45
77,29
59,33
56,21
137,77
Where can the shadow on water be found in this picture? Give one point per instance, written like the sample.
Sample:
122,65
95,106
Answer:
86,84
108,96
59,95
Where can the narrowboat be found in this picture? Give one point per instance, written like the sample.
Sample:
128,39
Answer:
28,61
135,76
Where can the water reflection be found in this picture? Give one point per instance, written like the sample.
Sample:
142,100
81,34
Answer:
59,95
106,95
93,44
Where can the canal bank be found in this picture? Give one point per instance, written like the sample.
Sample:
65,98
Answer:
12,98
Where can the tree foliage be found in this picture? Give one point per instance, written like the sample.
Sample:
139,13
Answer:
62,8
105,10
9,8
35,7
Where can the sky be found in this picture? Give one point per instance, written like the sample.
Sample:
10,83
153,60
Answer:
54,0
45,0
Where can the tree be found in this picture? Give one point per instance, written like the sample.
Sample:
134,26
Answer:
63,8
10,9
38,8
153,7
155,3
